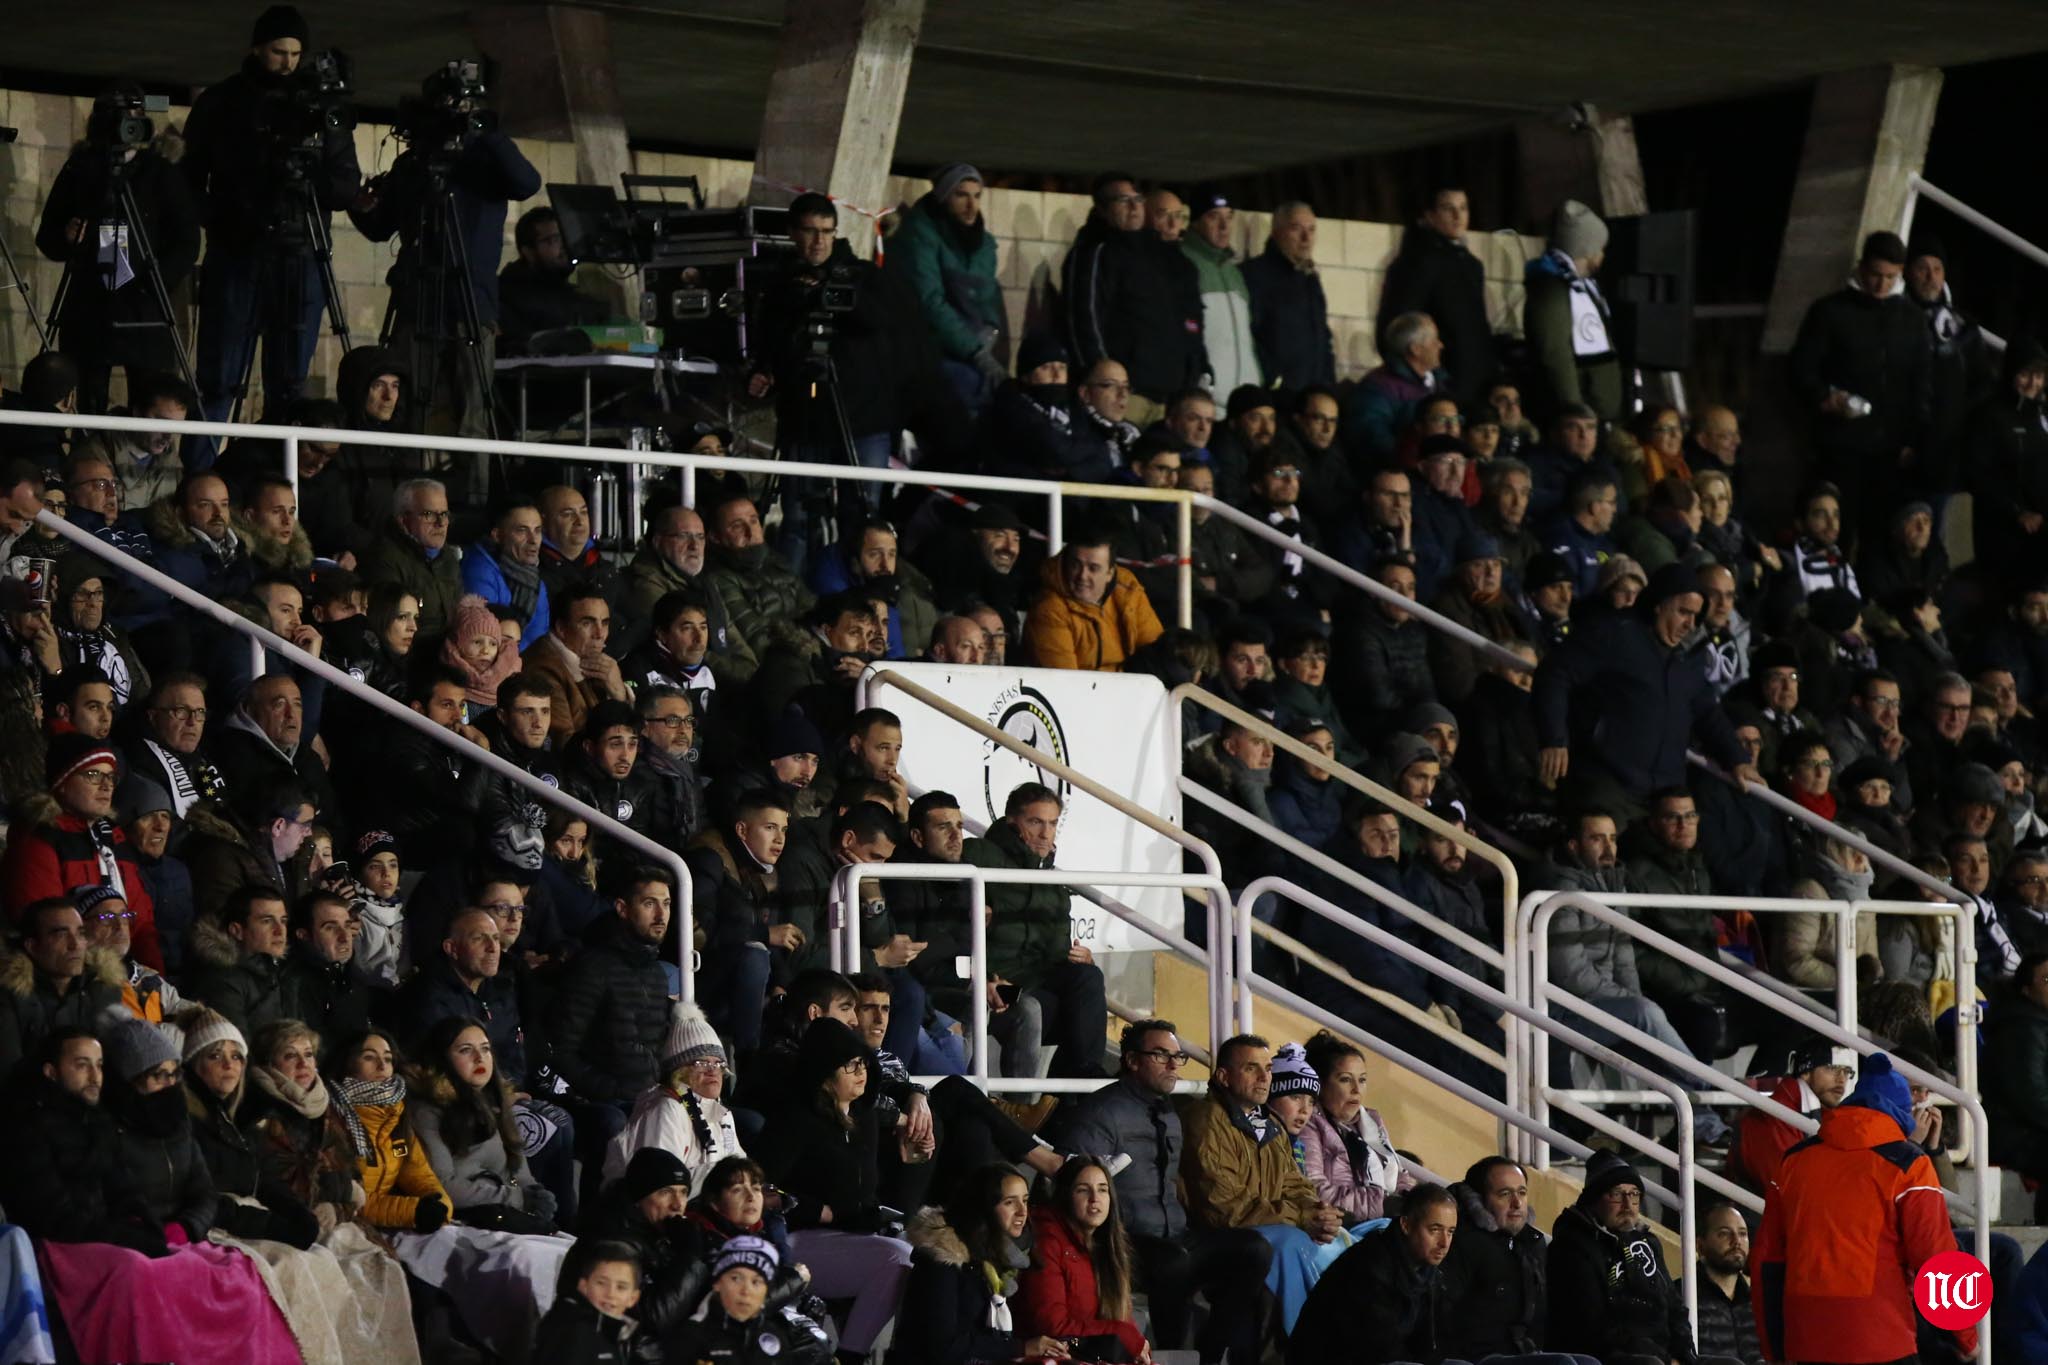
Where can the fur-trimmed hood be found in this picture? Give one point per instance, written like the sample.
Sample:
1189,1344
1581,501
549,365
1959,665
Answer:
929,1232
206,818
38,810
166,524
294,556
212,944
18,974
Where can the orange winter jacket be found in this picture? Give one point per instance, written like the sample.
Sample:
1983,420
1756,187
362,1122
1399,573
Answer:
1856,1212
1064,632
396,1175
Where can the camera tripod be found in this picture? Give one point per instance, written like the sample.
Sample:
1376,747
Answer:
302,230
824,384
119,208
439,267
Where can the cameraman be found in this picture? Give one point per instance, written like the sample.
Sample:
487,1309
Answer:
885,369
111,315
261,277
457,145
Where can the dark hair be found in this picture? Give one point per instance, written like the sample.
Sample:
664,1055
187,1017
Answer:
641,874
864,721
1238,1043
530,224
240,901
382,608
750,804
51,1051
867,822
1326,1049
722,1175
929,802
63,689
813,206
2021,974
301,918
859,791
49,379
31,917
971,1211
1109,1247
1245,630
673,604
1883,246
473,1113
255,488
523,684
1098,188
1426,1196
146,389
1030,794
580,590
588,1253
426,679
331,586
817,986
1132,1039
871,983
1481,1170
608,715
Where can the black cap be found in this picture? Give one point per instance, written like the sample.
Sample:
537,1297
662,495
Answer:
1545,569
994,516
279,21
1249,398
1206,197
1040,349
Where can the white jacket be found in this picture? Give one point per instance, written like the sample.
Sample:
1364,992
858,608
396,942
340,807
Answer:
660,1119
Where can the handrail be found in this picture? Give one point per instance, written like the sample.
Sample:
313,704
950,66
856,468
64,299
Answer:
689,465
1972,1107
1327,865
1372,587
1220,971
1688,1168
685,911
846,932
1917,187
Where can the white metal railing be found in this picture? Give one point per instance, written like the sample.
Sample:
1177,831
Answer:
846,944
1918,189
1218,902
264,638
1538,939
290,437
1536,1125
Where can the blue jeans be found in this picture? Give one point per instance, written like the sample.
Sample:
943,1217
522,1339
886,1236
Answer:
970,385
934,1052
275,296
733,991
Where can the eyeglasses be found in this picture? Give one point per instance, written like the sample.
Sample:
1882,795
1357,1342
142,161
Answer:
1165,1058
112,916
1957,708
857,1065
504,909
1667,429
180,714
1126,198
95,485
710,1064
1284,472
89,595
439,518
674,722
97,777
1817,764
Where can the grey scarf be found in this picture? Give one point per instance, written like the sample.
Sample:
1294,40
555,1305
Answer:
525,585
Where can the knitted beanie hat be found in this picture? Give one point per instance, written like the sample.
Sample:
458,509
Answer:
690,1038
1292,1075
204,1027
755,1253
279,21
1578,232
133,1047
71,752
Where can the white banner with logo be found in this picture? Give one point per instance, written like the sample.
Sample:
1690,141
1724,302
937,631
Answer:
1112,726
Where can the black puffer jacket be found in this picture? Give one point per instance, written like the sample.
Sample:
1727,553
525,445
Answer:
235,1165
1378,670
639,801
1493,1284
62,1176
1872,348
675,1261
1375,1303
1435,275
1610,1294
1129,297
575,1333
611,1015
251,991
1034,431
334,997
825,1165
161,1156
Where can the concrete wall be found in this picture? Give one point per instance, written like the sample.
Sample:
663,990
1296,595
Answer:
1035,229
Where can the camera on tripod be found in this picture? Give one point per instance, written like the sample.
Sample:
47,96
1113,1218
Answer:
833,295
444,116
120,119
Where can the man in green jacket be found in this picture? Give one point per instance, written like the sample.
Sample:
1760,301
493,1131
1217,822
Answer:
413,552
1566,319
1226,301
1669,862
949,256
1042,984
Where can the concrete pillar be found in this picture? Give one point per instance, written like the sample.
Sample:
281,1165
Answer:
1866,135
1591,159
1617,165
834,103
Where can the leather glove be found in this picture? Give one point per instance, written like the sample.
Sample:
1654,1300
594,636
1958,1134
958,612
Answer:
991,369
430,1214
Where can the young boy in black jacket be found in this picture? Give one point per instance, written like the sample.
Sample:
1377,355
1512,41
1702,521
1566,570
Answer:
589,1325
734,1322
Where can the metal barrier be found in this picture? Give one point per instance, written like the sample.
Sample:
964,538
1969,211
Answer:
1054,492
846,946
1972,1108
1536,1125
1218,906
1918,189
685,913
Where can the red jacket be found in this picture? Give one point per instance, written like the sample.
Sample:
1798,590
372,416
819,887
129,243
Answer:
1059,1296
1856,1212
51,853
1764,1138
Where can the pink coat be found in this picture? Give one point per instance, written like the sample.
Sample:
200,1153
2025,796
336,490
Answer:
1361,1195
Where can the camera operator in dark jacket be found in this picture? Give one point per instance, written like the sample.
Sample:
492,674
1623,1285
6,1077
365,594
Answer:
110,312
458,148
261,277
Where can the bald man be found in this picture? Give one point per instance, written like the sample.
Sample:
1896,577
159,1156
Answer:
959,640
1716,439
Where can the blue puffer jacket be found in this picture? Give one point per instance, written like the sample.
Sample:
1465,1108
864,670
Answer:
482,576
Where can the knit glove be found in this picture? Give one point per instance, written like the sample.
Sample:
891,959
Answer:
991,369
540,1200
430,1214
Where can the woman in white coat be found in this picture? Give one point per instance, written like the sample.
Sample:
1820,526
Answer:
683,1114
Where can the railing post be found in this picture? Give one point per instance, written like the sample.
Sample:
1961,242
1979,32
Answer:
977,974
1185,523
1055,521
689,484
1845,966
291,468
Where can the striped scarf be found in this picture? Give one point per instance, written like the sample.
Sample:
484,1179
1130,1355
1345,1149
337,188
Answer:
354,1094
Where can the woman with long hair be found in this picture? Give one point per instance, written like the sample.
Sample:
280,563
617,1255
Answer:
464,1117
1079,1283
568,873
501,1283
1347,1153
685,1113
825,1151
969,1257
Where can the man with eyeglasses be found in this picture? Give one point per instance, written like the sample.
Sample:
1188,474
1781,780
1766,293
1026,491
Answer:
69,841
1299,596
669,736
1938,732
412,551
671,560
504,567
1870,725
167,748
1135,1115
1610,1295
50,984
227,853
1383,405
1126,301
110,932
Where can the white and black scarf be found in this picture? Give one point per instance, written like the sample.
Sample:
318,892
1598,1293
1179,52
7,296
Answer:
354,1094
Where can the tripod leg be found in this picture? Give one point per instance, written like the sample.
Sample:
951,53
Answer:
472,321
28,300
139,235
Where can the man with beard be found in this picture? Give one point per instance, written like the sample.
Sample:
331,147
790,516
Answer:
1439,881
1813,1076
867,559
669,560
258,281
669,731
504,568
1727,1323
818,677
196,542
1093,613
603,770
1250,425
764,601
979,563
537,292
678,653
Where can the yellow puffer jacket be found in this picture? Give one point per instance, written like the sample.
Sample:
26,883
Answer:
395,1175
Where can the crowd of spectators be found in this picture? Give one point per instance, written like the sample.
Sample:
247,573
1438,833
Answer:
311,1013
